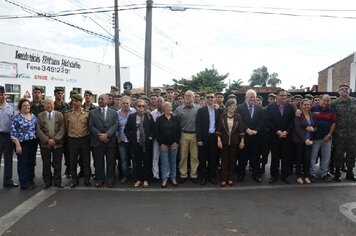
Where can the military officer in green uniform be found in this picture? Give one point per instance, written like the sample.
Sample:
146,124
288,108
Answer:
344,139
37,105
77,126
88,104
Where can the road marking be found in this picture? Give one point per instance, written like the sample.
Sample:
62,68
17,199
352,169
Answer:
346,210
206,189
21,210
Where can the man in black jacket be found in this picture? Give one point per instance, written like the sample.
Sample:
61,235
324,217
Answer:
252,118
280,120
206,123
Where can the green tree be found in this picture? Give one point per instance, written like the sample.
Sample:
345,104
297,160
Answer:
203,81
273,80
236,85
259,77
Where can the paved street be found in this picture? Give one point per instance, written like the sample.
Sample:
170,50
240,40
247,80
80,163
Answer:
245,209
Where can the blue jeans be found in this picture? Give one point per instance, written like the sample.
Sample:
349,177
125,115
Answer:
126,154
325,157
168,163
26,163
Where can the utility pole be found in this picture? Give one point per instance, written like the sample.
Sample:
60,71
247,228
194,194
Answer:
148,48
117,46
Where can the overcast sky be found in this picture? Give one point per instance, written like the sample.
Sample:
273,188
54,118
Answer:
186,42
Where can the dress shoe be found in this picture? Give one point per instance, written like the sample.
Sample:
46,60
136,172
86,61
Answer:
202,181
257,179
285,180
11,185
351,177
231,183
46,186
98,184
110,184
74,184
123,180
213,181
182,180
87,183
194,180
337,176
223,184
272,180
32,187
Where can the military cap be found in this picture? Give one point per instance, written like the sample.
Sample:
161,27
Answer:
309,96
156,89
110,95
260,97
73,92
317,96
58,89
77,96
344,86
118,96
2,89
88,92
38,89
169,89
232,95
333,97
298,96
289,95
272,95
153,95
114,88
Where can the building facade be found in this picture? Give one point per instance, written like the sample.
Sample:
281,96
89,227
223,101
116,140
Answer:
21,69
342,72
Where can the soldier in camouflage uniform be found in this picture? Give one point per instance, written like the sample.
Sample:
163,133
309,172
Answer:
87,104
344,139
37,105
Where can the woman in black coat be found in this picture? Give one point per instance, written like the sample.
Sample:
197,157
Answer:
139,131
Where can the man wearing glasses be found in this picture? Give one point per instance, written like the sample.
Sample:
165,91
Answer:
344,138
280,121
206,122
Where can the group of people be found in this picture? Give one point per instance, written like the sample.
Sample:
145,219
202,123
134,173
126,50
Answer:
177,138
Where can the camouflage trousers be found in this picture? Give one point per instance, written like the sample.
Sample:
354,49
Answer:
344,152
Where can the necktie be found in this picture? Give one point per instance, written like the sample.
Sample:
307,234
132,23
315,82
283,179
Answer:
250,110
103,112
49,116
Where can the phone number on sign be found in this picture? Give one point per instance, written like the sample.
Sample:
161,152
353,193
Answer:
55,69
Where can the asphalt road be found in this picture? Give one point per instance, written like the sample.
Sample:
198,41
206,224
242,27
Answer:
245,209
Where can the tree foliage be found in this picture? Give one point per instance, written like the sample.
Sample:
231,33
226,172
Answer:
203,81
261,77
236,85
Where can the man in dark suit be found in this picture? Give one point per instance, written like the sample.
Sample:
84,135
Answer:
103,123
252,119
206,122
280,120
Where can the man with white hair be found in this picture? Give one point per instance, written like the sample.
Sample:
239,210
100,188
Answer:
50,131
187,114
252,119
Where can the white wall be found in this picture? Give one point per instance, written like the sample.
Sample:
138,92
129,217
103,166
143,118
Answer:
28,67
329,81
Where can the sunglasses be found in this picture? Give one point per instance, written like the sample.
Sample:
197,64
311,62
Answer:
209,97
140,106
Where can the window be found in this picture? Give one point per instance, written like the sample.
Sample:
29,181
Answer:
13,92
